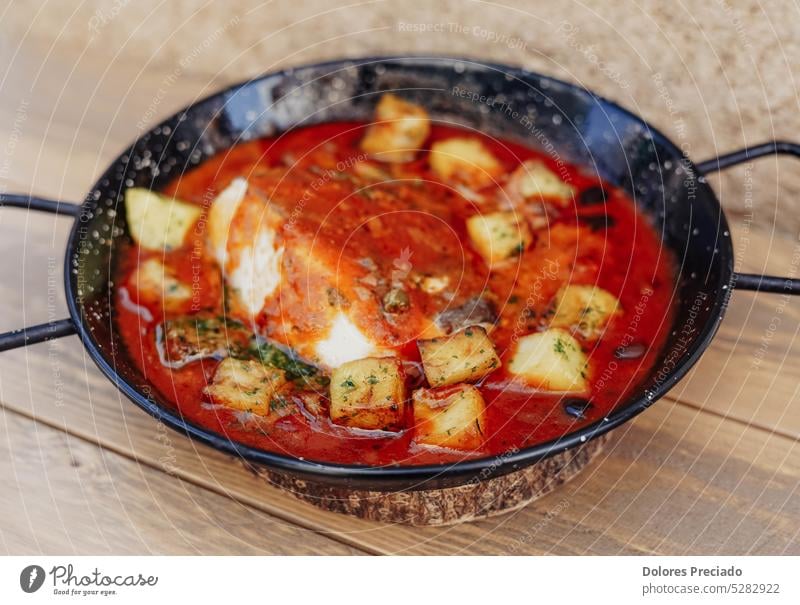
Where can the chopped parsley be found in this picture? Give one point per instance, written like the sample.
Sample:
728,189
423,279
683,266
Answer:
560,348
271,354
278,403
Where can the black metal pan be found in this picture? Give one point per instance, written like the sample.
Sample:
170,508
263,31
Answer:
581,127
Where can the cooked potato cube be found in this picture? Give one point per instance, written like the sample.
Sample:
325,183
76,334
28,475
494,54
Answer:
552,360
451,417
533,179
498,236
154,282
464,356
157,222
399,131
246,385
368,394
464,160
586,309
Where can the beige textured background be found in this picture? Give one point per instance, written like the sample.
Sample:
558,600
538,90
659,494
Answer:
728,68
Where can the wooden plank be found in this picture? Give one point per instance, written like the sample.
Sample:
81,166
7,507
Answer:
750,372
62,495
66,119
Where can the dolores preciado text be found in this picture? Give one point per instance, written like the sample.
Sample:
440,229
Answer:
716,571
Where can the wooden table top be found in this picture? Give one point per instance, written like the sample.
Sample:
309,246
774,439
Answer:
712,469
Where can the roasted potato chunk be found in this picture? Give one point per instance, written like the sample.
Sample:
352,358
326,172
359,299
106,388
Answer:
158,222
368,394
498,236
585,309
551,360
464,160
464,356
399,131
246,385
451,417
154,283
186,339
534,180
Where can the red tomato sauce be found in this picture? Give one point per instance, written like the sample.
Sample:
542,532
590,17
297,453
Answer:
604,243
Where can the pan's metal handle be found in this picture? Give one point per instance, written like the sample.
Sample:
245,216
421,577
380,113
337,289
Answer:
52,329
749,281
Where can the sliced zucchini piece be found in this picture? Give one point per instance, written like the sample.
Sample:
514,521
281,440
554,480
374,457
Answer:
158,222
186,339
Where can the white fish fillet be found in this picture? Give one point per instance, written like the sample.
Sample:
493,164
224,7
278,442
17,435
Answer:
344,343
258,274
254,275
222,211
